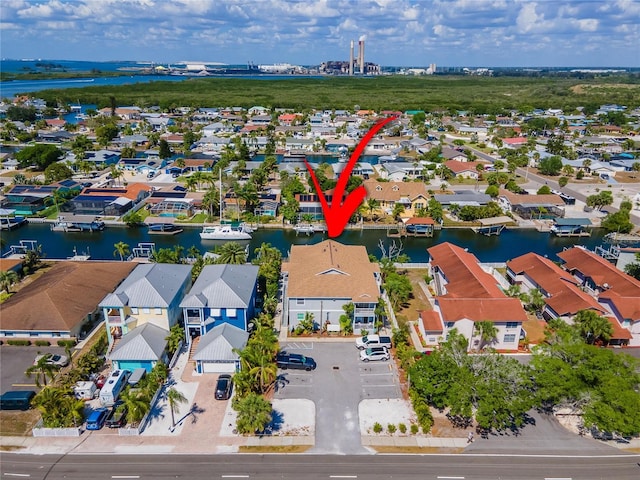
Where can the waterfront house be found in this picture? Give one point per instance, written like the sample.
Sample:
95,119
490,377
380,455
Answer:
150,294
614,289
462,198
142,347
321,279
412,196
467,294
545,206
62,301
111,201
221,294
216,351
27,199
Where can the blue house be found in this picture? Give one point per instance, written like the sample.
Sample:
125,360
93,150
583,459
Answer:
221,294
142,347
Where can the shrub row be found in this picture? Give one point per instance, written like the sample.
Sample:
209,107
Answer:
23,342
421,407
392,428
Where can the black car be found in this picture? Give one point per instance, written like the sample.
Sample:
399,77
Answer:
223,387
117,416
295,361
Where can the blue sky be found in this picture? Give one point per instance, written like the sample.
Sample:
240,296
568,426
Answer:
397,32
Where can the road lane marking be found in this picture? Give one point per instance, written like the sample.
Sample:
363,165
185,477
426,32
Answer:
343,476
125,476
234,476
450,478
16,475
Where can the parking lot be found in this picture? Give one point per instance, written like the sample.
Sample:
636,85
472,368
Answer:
15,361
337,386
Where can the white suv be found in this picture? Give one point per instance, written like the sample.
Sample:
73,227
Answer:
374,353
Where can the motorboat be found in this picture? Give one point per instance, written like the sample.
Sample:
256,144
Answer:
164,229
225,232
305,228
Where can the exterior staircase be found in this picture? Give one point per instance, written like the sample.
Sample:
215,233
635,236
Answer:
194,344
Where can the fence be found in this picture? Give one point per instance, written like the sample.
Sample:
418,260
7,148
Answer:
133,431
40,431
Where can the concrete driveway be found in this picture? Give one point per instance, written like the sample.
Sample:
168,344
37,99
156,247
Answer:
15,361
337,386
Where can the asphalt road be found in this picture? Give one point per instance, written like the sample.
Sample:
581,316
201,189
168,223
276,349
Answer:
316,467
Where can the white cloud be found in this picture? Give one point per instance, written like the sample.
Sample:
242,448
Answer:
528,19
588,24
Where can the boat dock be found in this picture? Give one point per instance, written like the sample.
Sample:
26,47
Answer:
624,238
78,223
571,227
493,225
162,226
9,220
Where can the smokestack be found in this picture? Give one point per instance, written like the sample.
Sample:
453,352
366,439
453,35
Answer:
361,55
351,60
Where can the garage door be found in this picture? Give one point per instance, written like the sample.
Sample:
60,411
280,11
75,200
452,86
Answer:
211,367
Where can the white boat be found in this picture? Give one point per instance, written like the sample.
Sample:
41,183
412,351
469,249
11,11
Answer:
305,228
225,232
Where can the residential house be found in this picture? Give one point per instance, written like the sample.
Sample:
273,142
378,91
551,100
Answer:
111,201
221,294
453,154
216,351
412,196
27,199
62,301
562,294
615,290
323,278
467,294
545,206
389,168
150,294
142,347
464,169
462,198
102,158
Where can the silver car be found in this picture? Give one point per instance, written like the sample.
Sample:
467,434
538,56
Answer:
375,353
53,359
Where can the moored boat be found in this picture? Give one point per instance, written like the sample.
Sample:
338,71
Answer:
225,232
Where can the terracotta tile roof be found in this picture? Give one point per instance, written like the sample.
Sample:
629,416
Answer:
515,141
457,166
601,271
63,296
430,321
331,270
133,189
627,307
7,264
394,191
619,332
465,276
482,309
565,298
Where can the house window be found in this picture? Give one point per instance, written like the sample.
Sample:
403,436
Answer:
431,339
231,312
215,312
419,205
158,311
134,310
512,324
146,310
451,324
509,338
299,301
300,317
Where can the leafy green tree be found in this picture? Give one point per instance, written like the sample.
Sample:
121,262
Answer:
593,327
132,219
164,149
121,249
493,191
232,253
435,210
600,200
7,279
128,152
21,114
544,190
175,398
39,156
169,255
562,181
56,172
175,337
254,414
619,222
399,289
633,268
550,165
105,133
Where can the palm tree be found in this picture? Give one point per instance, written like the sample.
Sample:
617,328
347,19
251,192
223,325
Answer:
513,290
232,253
487,332
7,279
137,405
49,401
254,414
176,335
121,249
175,398
593,327
372,206
42,369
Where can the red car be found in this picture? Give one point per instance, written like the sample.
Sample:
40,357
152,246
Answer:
100,381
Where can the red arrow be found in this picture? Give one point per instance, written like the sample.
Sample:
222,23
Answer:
338,214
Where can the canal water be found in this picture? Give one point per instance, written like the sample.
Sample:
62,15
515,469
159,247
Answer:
100,245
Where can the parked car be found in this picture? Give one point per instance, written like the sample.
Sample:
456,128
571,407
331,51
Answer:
97,418
373,341
223,387
53,359
295,361
375,353
100,381
17,400
117,416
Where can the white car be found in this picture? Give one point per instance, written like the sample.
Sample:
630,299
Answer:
53,359
374,353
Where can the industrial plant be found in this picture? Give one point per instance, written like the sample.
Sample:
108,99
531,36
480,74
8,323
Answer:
354,66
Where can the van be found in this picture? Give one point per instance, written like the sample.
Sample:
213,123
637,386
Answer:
17,400
137,375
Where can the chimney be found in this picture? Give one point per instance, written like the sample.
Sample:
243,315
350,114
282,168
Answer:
361,55
351,60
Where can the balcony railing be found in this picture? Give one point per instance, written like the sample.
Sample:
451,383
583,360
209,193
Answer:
193,319
114,320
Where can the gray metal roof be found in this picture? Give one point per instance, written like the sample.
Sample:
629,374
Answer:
223,286
218,344
149,285
146,342
463,197
572,222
